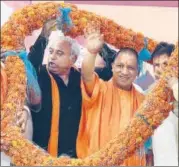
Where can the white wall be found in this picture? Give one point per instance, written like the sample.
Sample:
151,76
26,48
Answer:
5,13
160,23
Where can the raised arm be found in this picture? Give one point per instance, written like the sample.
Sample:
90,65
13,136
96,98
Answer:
36,53
94,43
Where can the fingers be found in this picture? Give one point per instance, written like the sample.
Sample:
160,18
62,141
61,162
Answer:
23,127
48,27
50,21
53,23
92,28
53,26
94,36
20,120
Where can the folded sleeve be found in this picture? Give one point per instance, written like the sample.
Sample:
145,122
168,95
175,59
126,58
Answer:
98,86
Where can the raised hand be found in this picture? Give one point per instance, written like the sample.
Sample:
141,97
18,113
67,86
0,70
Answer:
94,40
22,117
48,27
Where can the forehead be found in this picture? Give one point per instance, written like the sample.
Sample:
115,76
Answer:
126,58
160,58
59,45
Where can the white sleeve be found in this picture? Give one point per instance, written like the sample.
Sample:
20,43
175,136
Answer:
165,145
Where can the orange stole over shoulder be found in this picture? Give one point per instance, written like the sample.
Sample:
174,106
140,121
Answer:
53,141
54,132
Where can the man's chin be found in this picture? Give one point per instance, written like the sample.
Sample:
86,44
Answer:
53,70
124,85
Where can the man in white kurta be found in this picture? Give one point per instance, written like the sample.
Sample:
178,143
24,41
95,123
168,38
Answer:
165,138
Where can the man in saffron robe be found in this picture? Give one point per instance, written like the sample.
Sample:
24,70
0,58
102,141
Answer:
108,106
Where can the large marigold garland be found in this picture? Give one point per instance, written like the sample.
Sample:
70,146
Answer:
32,17
24,153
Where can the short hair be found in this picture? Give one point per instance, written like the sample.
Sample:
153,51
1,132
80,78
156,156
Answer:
75,47
127,50
130,51
163,48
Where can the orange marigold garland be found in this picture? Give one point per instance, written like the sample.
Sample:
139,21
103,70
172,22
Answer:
32,17
24,153
16,90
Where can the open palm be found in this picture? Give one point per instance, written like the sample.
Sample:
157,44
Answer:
94,40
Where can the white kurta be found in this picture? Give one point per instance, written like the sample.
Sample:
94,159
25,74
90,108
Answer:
165,138
165,142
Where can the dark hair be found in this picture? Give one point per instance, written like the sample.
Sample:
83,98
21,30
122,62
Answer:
131,51
127,50
163,48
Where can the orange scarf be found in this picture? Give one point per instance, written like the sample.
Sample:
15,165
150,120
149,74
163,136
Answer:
53,141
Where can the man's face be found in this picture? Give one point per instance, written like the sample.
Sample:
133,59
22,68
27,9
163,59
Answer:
125,70
59,59
159,63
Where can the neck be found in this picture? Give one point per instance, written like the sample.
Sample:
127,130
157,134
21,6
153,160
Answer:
125,88
65,76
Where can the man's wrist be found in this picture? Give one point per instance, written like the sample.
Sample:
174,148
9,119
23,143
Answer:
44,34
92,53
